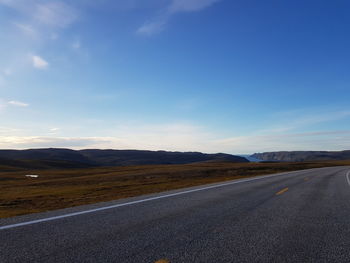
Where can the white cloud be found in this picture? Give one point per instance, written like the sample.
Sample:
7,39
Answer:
39,62
54,131
176,136
5,131
48,13
176,6
26,29
188,140
190,5
299,119
317,141
56,14
184,136
21,142
18,103
152,28
35,24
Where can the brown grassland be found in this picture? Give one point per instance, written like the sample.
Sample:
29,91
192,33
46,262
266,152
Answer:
55,189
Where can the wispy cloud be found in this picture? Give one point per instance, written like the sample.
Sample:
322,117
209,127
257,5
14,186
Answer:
5,131
189,141
318,140
177,136
35,23
152,27
18,103
39,13
26,29
299,119
56,14
39,63
173,136
189,5
54,131
21,142
158,24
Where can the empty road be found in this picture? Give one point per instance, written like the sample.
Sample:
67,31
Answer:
301,216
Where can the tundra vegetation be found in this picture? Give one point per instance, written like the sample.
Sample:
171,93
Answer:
61,188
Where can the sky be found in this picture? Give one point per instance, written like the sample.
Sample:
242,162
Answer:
233,76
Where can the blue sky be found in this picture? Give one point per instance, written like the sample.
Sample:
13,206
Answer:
235,76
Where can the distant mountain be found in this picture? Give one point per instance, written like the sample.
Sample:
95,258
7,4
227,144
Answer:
302,156
66,158
250,158
10,164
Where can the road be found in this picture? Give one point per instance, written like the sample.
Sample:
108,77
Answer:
300,216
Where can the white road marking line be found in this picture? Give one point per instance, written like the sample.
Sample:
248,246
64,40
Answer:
139,201
347,177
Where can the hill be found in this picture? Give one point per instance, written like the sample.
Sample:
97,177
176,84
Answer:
67,158
303,156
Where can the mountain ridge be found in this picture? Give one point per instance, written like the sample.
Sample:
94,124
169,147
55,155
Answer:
56,157
303,156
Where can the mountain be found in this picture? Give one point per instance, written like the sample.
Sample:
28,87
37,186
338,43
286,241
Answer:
10,164
67,158
302,156
250,158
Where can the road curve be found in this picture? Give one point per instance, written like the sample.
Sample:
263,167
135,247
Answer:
299,216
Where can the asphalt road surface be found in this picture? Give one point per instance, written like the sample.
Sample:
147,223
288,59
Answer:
301,216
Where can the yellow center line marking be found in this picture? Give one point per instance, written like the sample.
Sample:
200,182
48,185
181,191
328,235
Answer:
282,191
162,261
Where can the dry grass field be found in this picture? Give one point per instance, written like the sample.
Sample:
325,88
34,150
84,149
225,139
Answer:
62,188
